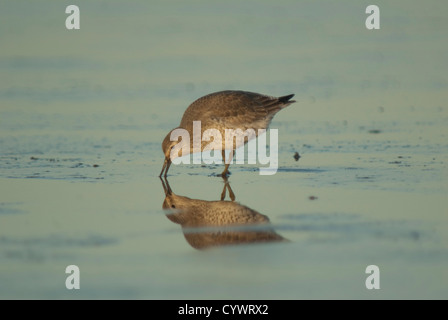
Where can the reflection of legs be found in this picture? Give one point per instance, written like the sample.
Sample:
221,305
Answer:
223,193
226,169
224,190
231,194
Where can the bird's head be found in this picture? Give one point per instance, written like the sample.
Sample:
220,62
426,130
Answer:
168,145
173,149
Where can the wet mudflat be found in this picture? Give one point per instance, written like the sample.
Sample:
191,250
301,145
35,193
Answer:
81,128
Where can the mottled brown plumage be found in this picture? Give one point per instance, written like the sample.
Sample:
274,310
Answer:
217,223
227,110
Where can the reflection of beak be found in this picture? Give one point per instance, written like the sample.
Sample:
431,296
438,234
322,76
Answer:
166,165
166,187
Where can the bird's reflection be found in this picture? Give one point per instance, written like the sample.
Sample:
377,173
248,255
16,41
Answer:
217,223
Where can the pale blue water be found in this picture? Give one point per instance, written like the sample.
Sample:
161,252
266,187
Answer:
83,114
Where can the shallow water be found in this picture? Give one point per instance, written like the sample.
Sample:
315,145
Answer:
83,114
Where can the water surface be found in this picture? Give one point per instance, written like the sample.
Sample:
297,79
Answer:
83,114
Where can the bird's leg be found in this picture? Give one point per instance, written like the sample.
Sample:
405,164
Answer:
226,169
223,153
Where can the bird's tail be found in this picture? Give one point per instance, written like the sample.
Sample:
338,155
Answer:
276,104
285,99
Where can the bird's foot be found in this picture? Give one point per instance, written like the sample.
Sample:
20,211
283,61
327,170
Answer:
225,174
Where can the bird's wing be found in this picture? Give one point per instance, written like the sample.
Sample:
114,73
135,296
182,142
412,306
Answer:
231,107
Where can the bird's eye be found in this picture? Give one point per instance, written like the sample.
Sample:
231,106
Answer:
173,206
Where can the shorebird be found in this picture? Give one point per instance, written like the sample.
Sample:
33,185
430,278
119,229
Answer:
217,223
226,110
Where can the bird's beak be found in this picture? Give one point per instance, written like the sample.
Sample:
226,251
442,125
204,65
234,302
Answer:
166,165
